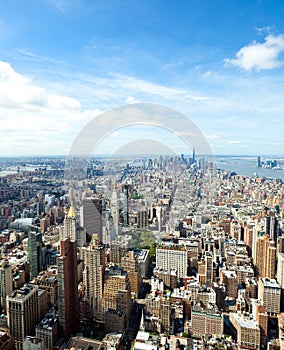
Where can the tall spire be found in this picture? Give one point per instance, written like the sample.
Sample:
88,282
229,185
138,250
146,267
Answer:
142,324
71,212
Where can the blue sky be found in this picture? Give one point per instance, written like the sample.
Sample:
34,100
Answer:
64,62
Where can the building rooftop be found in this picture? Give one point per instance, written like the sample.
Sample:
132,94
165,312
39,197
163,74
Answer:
211,310
23,291
244,321
146,341
270,283
83,344
115,270
142,336
49,321
172,272
142,254
34,340
229,274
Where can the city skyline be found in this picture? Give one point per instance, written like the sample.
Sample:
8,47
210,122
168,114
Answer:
219,63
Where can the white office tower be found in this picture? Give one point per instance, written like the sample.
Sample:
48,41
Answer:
115,211
108,230
159,217
72,230
6,282
172,256
280,270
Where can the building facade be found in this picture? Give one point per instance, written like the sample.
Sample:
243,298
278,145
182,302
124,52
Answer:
172,257
22,312
93,277
67,288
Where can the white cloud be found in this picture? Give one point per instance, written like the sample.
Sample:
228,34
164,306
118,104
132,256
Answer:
223,104
175,64
15,89
31,116
239,105
132,83
261,30
63,102
18,91
131,99
33,57
260,56
234,142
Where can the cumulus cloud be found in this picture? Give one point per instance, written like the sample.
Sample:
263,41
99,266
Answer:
18,91
260,56
30,113
15,89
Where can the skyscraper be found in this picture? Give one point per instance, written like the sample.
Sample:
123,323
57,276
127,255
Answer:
91,216
115,211
22,312
269,292
71,229
93,276
280,270
193,155
125,205
165,313
129,264
209,267
117,294
6,283
265,257
34,252
271,226
159,217
67,288
280,276
68,230
172,257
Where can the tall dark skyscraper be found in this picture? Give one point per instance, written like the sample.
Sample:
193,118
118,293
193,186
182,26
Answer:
34,252
67,288
271,226
91,216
